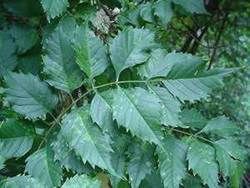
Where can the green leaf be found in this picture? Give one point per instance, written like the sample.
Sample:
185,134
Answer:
140,164
174,65
29,95
2,160
194,87
192,181
90,52
163,10
172,162
41,165
152,180
185,78
233,149
139,111
54,8
67,156
8,58
86,139
201,159
236,177
158,65
221,126
59,61
183,65
129,48
228,154
131,16
16,139
185,81
118,162
101,112
193,6
146,12
20,182
120,144
81,181
25,37
170,107
27,8
193,119
30,64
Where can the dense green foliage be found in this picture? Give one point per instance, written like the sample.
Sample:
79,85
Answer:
122,93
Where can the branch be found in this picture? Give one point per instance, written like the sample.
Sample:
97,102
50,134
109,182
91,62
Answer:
217,41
